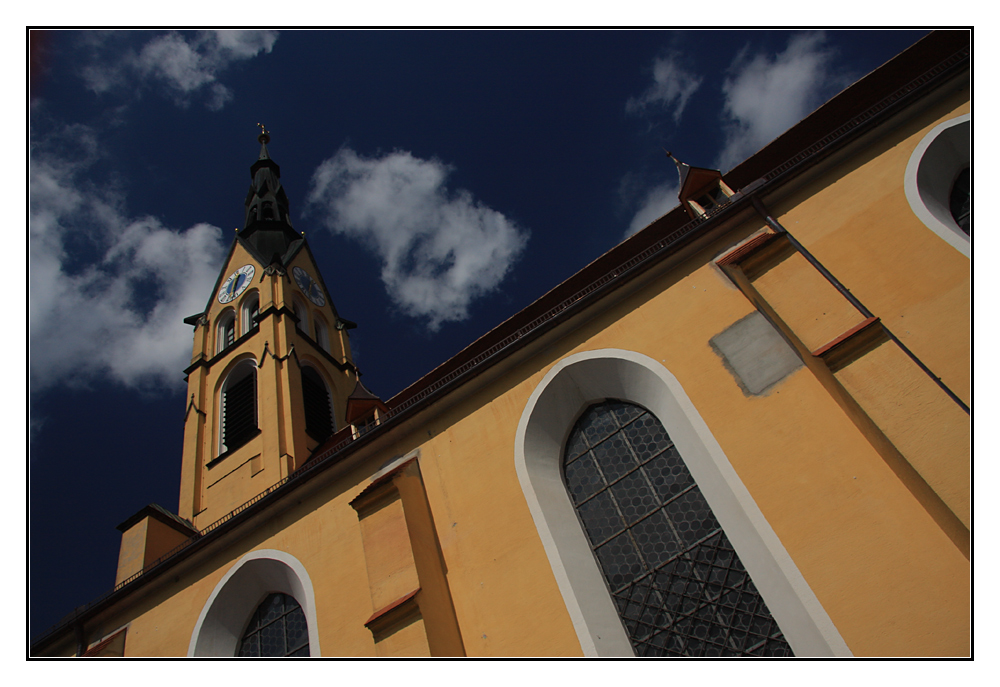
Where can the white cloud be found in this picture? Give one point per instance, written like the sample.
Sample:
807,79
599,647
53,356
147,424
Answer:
118,315
765,95
658,202
185,63
671,89
439,250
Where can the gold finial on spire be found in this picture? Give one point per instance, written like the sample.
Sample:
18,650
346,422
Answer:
264,134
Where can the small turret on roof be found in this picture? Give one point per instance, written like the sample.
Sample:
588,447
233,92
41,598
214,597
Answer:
361,404
700,189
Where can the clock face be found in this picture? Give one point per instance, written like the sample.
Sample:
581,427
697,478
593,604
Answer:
236,284
309,286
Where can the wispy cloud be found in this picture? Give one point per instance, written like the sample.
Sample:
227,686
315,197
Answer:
440,249
765,94
184,64
118,314
656,202
671,89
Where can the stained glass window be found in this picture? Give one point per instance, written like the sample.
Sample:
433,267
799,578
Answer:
960,201
676,580
277,628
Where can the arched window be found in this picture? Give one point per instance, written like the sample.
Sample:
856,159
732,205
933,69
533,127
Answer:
937,181
248,316
322,334
316,400
676,580
276,628
560,399
256,576
302,313
960,202
238,415
225,331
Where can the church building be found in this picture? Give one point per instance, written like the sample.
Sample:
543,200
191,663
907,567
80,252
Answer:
743,431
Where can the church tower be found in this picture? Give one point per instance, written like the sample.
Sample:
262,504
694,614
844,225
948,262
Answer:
271,370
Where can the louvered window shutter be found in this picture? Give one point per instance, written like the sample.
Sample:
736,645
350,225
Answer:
317,405
239,408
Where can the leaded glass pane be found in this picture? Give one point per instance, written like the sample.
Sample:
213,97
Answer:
675,578
614,457
600,518
596,426
277,628
249,646
583,479
295,628
635,497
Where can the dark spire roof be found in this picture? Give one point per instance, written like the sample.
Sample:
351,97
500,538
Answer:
694,181
361,402
267,230
682,169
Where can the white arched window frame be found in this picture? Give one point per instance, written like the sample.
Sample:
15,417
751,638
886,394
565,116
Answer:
248,312
322,333
227,611
247,367
225,330
583,379
930,175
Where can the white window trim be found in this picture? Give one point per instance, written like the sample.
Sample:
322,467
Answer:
322,333
245,320
225,615
246,361
228,317
585,378
301,311
952,235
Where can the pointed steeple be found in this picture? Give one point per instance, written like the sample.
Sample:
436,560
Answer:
264,138
682,169
267,229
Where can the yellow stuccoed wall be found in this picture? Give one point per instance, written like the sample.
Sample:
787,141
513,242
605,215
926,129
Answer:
857,221
889,578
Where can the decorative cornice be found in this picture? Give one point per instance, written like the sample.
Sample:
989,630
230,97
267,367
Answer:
267,352
222,456
852,344
163,515
274,310
219,356
187,411
196,320
399,611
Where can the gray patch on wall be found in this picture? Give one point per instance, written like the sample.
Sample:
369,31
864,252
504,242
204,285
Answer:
755,354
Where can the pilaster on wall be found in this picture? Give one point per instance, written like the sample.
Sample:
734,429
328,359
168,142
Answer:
414,613
920,433
195,426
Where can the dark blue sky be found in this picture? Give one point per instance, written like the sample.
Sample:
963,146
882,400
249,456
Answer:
539,150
